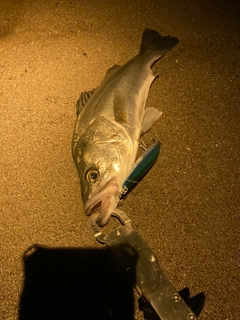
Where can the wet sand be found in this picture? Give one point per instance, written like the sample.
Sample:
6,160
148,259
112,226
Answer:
187,207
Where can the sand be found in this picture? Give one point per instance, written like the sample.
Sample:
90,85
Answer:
187,207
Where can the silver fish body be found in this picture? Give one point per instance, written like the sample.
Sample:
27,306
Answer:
110,121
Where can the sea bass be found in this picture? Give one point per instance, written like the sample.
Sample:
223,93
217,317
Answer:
110,121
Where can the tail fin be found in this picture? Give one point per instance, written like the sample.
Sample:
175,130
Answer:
159,45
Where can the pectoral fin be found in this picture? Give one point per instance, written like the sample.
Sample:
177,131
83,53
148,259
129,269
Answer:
119,107
150,116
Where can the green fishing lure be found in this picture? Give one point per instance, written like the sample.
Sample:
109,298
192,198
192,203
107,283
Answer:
142,165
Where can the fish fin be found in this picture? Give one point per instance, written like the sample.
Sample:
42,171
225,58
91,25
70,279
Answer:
83,99
114,68
150,116
153,42
119,107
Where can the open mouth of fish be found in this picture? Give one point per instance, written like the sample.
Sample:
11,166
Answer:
104,200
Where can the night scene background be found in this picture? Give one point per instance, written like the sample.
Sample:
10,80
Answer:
186,208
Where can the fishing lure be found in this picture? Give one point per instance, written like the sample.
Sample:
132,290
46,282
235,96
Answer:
142,166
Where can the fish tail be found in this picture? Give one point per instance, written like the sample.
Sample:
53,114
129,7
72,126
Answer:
155,44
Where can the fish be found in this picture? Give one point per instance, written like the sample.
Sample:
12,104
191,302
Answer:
109,123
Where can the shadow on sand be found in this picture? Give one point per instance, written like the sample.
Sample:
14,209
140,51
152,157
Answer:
75,284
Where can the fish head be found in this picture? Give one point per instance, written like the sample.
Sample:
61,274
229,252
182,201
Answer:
102,175
103,166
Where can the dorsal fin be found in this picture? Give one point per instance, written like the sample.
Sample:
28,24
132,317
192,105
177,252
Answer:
83,99
114,68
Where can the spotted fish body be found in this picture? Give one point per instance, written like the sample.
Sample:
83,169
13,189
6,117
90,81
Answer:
110,121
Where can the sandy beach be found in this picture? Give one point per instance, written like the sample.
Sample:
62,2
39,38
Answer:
186,208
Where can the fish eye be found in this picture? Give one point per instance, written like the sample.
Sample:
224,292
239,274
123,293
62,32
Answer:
92,175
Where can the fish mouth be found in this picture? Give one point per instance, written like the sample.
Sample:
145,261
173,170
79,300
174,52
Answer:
104,200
